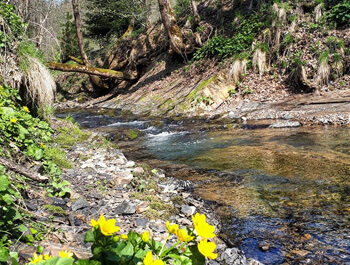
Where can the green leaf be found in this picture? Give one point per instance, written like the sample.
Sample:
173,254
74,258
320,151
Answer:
4,183
89,236
128,250
22,228
4,254
87,262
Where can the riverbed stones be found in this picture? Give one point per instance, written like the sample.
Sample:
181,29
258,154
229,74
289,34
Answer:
285,124
122,178
126,207
188,210
79,204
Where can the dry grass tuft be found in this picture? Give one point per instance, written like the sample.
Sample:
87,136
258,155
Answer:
318,12
237,69
323,74
39,86
259,61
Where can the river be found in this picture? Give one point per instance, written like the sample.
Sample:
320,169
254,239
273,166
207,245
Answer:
283,194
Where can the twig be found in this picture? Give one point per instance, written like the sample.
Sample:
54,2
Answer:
21,170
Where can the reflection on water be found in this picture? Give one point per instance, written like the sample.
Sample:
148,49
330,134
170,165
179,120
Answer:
284,194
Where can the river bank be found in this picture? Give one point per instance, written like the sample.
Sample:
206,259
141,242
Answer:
139,197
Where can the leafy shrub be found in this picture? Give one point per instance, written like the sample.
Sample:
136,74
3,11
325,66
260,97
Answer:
242,39
340,14
14,27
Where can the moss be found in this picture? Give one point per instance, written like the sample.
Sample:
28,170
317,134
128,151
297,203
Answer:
132,135
193,94
70,135
179,200
151,214
58,156
55,210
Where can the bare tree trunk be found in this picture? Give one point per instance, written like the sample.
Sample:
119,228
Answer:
196,16
77,20
170,24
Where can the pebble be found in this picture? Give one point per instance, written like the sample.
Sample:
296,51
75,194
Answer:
126,207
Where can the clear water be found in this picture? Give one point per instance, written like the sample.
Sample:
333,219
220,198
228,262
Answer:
288,189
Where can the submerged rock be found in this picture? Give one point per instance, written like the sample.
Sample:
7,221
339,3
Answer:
286,124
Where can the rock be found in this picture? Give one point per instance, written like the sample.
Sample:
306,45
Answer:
264,246
142,207
79,204
142,222
188,210
130,164
233,256
137,170
126,208
122,178
285,124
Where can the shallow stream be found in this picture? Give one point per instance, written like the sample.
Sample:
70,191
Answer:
283,194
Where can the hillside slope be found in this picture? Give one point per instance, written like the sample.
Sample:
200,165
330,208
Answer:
261,52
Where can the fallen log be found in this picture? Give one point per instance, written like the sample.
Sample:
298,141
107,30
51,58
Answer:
21,170
75,59
87,70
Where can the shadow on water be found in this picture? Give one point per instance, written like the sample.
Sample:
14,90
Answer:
283,194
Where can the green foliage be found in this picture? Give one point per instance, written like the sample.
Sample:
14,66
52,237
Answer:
68,39
324,57
288,39
340,14
27,49
181,6
13,27
10,224
106,18
19,128
242,38
334,43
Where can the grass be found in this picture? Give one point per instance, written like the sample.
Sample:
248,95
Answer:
54,209
58,156
70,135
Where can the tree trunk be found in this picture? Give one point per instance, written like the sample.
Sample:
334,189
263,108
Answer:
87,70
94,79
196,16
170,24
75,4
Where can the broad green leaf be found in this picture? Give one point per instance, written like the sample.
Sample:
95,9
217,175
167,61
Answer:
89,236
4,254
4,183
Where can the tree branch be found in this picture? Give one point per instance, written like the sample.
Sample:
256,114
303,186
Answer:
21,170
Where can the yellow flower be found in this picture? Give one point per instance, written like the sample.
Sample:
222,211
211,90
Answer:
47,257
183,236
93,223
145,236
172,229
13,120
42,145
36,259
25,108
207,249
124,236
66,254
107,227
202,227
148,260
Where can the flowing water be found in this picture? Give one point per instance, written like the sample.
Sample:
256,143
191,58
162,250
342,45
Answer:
283,194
